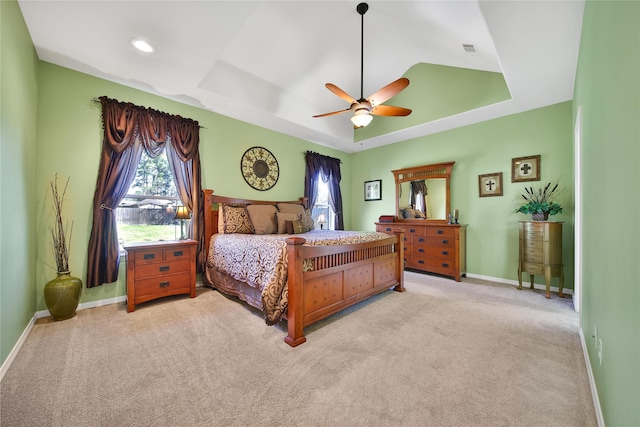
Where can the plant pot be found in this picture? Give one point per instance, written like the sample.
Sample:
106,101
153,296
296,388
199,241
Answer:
62,295
540,216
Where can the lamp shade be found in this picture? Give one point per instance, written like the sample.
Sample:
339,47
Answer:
182,213
322,219
361,118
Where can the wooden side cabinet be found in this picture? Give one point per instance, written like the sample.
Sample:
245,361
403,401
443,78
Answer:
541,252
160,269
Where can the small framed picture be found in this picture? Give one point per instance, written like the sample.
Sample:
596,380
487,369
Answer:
525,169
490,184
373,190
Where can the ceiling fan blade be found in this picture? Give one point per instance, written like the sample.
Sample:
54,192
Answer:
333,113
390,110
342,94
389,91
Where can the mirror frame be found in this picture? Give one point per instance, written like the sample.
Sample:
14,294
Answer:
436,170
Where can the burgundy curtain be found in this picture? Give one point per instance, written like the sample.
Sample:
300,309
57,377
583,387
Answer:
328,169
129,129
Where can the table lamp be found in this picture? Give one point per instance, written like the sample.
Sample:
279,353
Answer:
182,213
322,219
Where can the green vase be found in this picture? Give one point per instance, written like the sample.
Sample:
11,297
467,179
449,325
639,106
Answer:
62,295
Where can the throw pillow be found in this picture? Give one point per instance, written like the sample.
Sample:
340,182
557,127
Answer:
263,218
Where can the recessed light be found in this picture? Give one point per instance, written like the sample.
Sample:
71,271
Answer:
142,46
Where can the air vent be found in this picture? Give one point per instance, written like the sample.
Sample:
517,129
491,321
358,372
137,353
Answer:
469,48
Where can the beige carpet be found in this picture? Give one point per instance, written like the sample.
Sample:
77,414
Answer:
441,354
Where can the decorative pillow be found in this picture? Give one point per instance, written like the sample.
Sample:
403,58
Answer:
307,221
263,218
282,217
236,220
294,227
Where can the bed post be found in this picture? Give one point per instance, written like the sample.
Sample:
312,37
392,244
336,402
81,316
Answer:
400,286
295,313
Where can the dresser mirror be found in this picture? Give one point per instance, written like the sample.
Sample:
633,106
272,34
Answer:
423,193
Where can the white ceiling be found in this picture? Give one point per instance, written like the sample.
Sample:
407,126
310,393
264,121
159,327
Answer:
266,62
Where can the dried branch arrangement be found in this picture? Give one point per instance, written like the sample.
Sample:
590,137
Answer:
59,230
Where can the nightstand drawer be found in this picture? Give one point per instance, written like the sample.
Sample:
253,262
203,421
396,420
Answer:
176,254
149,255
144,271
163,285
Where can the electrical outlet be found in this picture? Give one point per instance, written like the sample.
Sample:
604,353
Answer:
600,351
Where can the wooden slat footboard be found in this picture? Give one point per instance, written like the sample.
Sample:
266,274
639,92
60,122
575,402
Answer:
341,276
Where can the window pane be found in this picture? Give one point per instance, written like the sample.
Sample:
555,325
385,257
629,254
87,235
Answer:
147,213
321,212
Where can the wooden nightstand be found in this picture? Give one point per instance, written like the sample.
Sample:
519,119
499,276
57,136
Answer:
160,269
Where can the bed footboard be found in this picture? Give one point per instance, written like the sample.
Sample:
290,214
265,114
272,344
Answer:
341,276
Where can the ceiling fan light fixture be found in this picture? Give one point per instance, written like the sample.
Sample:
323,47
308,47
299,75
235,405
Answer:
361,118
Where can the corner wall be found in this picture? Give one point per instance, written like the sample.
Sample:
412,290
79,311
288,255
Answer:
482,148
18,106
608,91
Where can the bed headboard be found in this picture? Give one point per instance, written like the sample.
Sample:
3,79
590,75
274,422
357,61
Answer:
212,203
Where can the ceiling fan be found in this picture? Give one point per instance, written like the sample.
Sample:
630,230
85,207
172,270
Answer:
363,109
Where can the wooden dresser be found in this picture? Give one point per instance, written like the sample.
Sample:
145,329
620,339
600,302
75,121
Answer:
541,252
159,269
432,247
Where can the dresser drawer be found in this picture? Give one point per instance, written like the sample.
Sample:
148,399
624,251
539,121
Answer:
433,240
434,265
432,251
532,232
144,271
447,232
414,231
163,285
388,228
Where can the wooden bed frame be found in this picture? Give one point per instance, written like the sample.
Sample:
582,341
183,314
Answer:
342,275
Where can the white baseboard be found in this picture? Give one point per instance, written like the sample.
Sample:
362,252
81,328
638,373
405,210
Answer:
16,348
516,283
44,313
592,382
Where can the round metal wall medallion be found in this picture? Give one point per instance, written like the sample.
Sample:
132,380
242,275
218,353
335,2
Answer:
259,168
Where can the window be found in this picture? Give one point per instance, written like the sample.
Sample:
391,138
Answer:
322,213
146,213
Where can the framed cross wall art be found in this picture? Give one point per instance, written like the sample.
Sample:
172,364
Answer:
490,184
525,169
373,190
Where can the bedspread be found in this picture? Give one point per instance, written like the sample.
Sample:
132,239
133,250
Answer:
261,261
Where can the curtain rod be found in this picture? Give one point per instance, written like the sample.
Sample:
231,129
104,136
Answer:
97,100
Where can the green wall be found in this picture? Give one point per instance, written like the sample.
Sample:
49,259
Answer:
608,92
488,147
18,98
69,143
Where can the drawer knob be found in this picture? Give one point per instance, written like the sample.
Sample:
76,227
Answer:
420,250
178,253
149,256
440,232
421,239
445,242
445,252
421,261
164,284
388,228
164,268
412,230
444,264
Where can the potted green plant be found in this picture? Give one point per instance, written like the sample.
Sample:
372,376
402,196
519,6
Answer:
61,294
541,202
